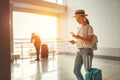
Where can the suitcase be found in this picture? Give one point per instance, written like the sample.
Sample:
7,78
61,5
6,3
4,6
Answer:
93,73
44,51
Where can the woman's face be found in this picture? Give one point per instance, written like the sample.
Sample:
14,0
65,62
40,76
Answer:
79,19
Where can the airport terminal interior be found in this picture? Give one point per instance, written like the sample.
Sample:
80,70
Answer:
53,21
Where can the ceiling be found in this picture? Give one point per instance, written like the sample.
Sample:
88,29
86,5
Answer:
37,7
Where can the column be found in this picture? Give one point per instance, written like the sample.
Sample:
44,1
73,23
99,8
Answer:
5,69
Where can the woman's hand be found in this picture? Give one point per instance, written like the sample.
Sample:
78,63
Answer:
72,42
75,36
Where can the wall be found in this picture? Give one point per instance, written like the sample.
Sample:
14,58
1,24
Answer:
5,68
104,17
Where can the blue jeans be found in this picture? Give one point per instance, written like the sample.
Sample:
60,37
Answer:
82,58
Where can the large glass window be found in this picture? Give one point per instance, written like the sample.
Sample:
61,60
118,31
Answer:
26,23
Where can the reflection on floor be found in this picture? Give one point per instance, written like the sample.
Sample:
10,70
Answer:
60,67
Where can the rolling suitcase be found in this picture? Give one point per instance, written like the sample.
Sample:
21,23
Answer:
93,73
44,51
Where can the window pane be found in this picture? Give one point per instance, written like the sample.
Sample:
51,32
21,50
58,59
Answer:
26,23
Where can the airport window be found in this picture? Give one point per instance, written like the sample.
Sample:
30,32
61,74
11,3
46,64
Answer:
26,23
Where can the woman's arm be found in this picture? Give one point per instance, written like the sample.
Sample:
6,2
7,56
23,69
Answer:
86,40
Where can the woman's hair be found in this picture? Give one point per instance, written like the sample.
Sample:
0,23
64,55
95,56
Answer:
87,21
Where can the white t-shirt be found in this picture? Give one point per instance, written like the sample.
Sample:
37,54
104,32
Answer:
84,31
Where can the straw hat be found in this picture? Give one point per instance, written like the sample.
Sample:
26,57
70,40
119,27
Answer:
80,12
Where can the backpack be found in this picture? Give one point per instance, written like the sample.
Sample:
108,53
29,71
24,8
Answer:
94,42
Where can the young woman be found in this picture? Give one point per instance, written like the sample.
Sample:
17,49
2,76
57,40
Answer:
83,42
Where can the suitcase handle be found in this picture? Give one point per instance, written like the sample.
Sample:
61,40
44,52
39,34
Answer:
88,64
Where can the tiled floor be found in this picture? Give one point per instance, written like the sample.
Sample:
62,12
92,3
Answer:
60,67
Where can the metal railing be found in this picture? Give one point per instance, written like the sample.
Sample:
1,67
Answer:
23,47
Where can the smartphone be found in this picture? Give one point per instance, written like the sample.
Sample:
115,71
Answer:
71,33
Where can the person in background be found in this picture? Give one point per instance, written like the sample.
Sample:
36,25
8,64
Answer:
37,43
83,41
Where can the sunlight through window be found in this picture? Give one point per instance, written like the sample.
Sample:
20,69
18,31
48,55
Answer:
26,23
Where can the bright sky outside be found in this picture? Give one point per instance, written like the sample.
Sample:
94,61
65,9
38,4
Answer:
26,23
